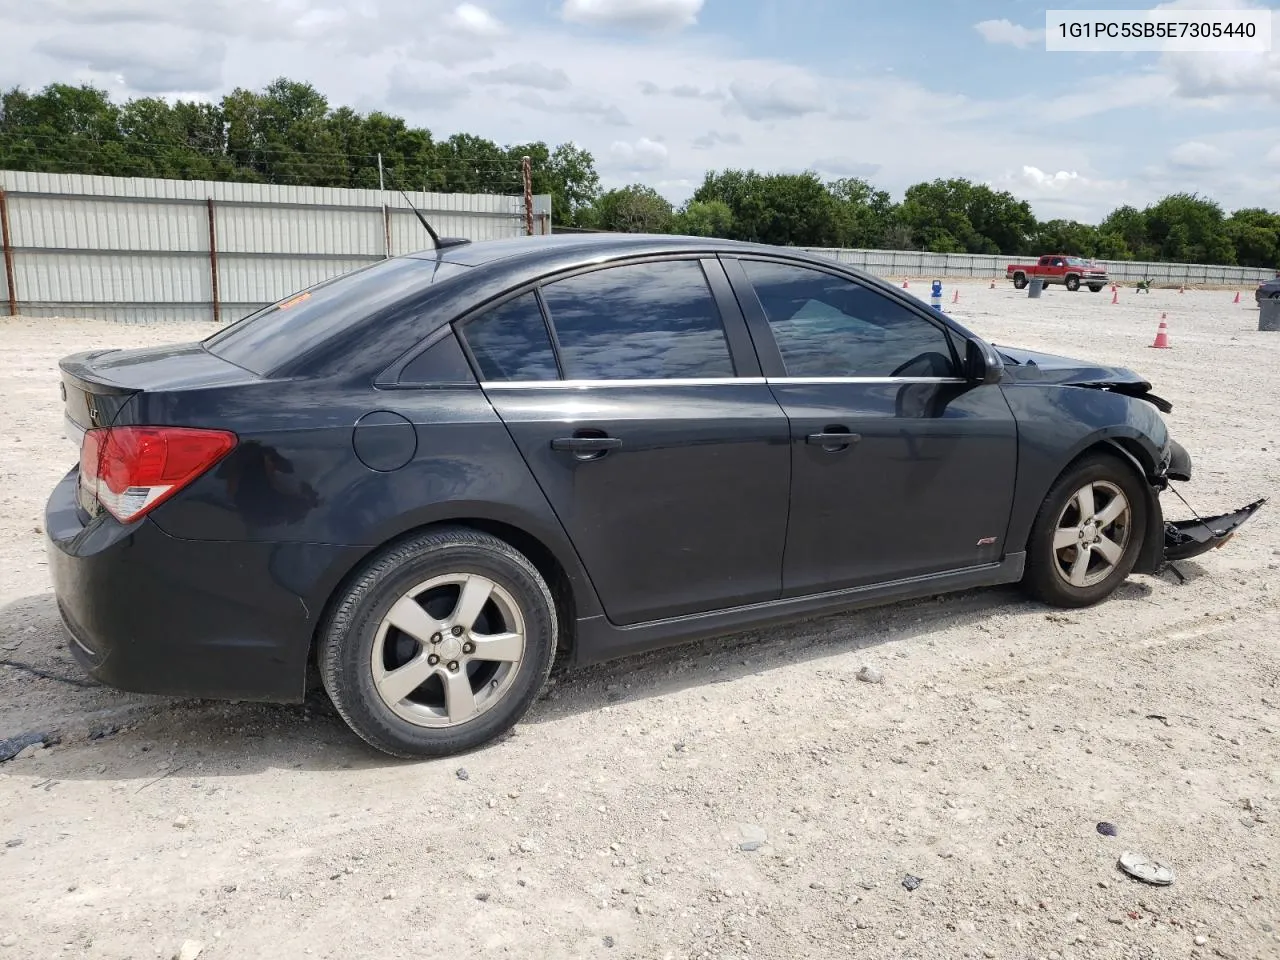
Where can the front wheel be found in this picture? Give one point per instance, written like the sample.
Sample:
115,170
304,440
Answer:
1073,284
440,645
1019,281
1088,534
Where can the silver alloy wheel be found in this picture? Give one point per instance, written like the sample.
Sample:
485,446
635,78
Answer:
440,671
1091,534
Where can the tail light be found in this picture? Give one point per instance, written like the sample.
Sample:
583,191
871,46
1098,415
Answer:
132,470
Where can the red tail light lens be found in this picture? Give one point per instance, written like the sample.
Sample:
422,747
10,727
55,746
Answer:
132,470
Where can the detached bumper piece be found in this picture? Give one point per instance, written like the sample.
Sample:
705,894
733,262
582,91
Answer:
1184,539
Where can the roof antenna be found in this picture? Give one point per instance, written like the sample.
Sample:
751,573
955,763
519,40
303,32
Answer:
435,237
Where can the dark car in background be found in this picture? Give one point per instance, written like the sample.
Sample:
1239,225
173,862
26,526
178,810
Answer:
432,476
1268,289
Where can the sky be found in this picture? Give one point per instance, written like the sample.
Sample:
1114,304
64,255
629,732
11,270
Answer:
662,90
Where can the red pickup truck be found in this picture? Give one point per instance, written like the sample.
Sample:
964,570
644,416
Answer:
1071,272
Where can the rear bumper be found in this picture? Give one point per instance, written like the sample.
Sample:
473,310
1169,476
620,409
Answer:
150,613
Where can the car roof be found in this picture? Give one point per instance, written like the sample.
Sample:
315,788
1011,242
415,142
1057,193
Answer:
590,246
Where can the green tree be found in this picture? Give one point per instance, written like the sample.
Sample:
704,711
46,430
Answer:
1065,236
1255,235
863,213
787,209
1185,228
711,218
632,209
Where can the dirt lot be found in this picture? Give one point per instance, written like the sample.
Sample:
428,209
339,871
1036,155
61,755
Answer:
611,824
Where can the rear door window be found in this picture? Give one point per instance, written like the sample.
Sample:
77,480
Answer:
827,326
644,321
511,343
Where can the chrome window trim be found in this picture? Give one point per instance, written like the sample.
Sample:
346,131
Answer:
704,382
821,380
581,384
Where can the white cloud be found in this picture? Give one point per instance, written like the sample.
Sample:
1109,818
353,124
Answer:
149,58
1273,155
534,75
845,167
468,18
634,14
1004,31
779,99
410,86
643,154
714,138
1197,155
1225,74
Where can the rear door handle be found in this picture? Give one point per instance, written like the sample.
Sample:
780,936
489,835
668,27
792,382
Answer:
586,444
833,439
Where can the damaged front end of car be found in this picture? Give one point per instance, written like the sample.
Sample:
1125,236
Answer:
1184,539
1166,541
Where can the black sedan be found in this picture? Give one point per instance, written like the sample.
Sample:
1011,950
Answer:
433,476
1268,289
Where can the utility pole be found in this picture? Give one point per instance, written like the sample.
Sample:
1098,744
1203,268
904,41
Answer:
381,185
528,195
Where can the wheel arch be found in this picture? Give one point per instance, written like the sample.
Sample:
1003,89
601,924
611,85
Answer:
558,564
1130,447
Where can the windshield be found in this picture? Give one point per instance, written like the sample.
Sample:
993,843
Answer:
1079,262
276,334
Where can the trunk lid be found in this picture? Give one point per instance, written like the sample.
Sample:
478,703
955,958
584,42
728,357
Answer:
98,384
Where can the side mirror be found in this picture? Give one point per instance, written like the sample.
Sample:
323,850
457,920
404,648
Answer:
982,363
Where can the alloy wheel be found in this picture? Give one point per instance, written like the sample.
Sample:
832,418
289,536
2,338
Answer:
448,650
1092,533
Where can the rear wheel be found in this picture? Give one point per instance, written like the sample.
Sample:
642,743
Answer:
1087,535
1019,281
440,645
1095,288
1073,284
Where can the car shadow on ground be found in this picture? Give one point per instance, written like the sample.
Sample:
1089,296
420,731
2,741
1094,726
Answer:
146,739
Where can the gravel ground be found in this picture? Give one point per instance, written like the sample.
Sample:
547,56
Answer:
746,797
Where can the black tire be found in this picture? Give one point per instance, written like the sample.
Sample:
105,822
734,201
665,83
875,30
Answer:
1073,284
1042,579
1019,281
347,640
1093,288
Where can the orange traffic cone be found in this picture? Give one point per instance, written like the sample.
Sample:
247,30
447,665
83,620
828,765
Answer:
1115,295
905,285
993,285
956,298
1113,288
1162,335
1237,299
1182,288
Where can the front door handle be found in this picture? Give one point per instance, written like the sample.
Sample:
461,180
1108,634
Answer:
582,445
833,439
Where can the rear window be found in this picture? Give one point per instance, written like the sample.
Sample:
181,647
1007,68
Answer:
275,335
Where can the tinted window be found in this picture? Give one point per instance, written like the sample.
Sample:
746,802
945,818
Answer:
826,326
651,321
283,331
510,342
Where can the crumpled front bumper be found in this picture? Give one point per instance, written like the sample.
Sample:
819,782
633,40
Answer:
1184,539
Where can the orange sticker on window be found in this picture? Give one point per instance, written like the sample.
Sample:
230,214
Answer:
294,300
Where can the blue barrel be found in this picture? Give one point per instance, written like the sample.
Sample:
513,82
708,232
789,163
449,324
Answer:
935,297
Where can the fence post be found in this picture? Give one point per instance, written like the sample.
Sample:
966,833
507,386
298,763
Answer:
8,252
527,170
213,261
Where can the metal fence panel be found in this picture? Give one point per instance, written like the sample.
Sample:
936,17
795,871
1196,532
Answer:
138,250
916,263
